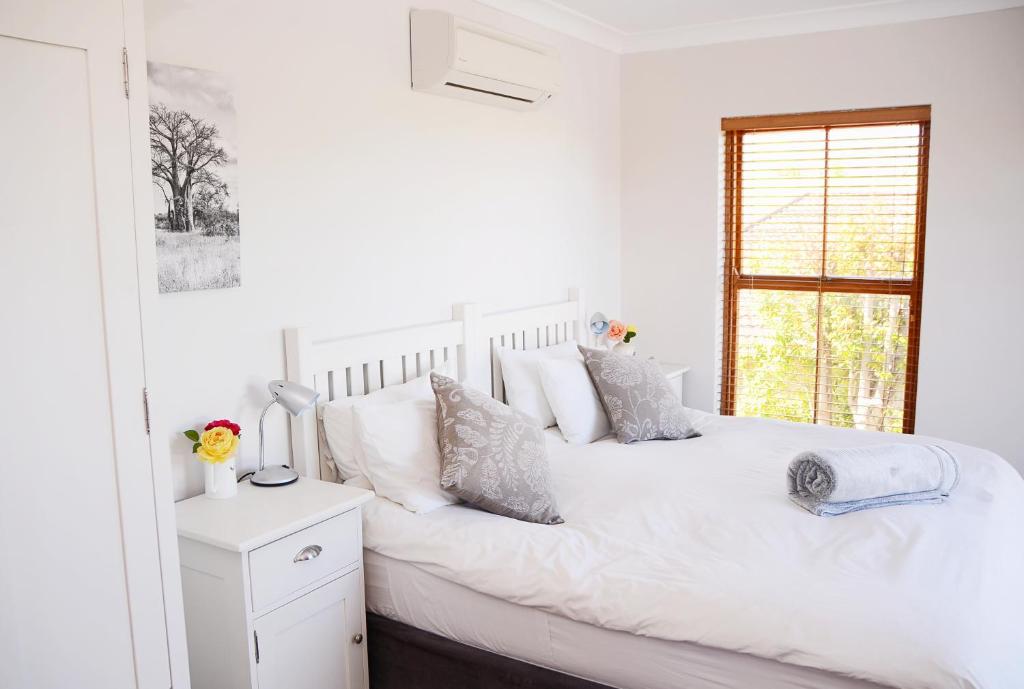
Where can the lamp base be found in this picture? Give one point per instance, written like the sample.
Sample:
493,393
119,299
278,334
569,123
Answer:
274,476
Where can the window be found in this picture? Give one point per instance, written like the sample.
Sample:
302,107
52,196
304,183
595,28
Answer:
823,257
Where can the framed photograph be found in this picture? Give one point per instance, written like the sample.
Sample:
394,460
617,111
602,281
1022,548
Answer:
192,138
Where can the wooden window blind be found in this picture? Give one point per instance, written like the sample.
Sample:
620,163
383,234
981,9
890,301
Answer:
823,259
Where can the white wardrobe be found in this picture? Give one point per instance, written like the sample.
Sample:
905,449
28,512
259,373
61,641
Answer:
89,592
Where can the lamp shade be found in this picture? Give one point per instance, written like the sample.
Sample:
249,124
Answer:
296,398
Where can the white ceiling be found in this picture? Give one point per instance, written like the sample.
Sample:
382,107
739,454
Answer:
655,15
642,25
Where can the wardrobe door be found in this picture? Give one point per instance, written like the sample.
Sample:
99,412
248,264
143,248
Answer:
81,597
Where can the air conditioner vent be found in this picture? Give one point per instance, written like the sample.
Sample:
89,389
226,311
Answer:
492,93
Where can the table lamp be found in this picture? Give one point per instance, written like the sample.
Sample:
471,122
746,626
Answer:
297,399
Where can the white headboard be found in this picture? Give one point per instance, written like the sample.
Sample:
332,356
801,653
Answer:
531,328
348,366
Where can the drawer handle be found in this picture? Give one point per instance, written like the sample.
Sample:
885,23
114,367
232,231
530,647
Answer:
308,553
357,639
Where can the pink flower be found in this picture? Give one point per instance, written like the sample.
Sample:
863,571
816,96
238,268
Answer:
616,331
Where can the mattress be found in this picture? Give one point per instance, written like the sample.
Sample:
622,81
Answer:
696,542
403,592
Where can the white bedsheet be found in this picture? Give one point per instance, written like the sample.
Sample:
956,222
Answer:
403,592
697,541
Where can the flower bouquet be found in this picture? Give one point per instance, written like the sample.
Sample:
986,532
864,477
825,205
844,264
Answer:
216,447
620,337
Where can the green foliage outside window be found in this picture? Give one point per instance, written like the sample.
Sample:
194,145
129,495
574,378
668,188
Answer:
827,357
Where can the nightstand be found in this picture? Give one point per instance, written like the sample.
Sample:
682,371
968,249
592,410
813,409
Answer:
675,373
273,587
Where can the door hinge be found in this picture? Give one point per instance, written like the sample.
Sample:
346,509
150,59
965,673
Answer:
256,643
145,406
124,68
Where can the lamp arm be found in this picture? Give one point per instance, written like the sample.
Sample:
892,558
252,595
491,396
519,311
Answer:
265,410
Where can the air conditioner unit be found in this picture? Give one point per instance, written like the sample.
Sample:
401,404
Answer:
456,58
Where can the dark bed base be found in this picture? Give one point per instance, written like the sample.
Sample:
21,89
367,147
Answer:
403,657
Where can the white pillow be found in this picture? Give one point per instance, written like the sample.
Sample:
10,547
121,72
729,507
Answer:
399,442
338,423
575,403
522,381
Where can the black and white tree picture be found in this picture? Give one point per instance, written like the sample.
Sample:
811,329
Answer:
192,144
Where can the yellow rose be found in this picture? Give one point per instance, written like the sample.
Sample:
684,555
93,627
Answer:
217,445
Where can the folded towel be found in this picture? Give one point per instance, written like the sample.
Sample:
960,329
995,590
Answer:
836,481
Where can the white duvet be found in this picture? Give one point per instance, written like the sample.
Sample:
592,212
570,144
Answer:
696,540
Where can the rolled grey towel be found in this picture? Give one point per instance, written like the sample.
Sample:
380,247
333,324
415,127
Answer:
835,481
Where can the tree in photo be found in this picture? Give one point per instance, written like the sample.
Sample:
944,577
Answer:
185,155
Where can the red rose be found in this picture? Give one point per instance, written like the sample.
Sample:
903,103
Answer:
224,423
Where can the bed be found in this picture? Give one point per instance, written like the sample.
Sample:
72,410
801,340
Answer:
680,564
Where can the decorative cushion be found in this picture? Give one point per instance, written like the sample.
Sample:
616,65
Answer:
637,397
572,397
522,380
492,456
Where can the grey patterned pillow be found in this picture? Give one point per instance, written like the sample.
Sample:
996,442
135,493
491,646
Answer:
492,456
637,397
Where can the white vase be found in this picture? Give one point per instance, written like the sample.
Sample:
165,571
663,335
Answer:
625,349
220,479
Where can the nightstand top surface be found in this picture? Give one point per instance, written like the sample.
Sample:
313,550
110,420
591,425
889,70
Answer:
258,515
670,370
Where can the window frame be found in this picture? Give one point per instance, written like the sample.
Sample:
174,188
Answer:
733,129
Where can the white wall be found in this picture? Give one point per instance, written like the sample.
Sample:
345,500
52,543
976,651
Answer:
365,205
971,70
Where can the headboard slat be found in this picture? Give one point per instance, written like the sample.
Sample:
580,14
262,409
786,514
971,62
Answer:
391,371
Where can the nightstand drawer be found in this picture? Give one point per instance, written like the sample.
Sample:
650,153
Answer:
293,562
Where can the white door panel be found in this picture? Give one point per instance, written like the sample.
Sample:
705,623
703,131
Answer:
81,596
59,496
